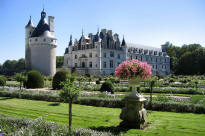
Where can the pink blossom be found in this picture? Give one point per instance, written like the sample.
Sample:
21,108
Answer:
133,68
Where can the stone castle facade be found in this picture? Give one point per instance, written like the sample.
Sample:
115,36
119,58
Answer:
40,46
101,53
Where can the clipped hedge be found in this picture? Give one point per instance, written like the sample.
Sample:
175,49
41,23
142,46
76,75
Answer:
106,102
107,86
59,77
34,80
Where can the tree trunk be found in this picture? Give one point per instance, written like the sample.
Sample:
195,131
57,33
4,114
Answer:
70,116
151,98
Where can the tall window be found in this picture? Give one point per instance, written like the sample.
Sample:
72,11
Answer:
104,65
111,63
90,55
76,65
111,53
76,56
118,56
90,64
104,55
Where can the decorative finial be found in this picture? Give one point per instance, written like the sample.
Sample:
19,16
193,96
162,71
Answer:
71,37
82,31
97,29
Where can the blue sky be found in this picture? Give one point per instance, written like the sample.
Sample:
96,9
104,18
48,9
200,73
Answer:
148,22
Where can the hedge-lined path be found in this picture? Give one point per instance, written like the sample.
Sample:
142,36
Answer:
99,118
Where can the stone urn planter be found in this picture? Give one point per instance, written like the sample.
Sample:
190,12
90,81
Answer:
134,114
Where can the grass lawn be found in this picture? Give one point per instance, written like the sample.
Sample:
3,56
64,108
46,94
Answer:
98,118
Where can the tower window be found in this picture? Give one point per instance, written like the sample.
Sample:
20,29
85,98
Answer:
36,40
76,56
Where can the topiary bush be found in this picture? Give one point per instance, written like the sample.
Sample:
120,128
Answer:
2,81
34,80
107,86
59,77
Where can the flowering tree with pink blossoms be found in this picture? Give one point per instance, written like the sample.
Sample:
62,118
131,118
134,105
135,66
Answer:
133,69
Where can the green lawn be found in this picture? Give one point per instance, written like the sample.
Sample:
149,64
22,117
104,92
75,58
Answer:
98,118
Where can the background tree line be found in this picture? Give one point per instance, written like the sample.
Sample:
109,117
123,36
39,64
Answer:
20,64
186,60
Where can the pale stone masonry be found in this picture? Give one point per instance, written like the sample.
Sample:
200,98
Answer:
101,53
40,53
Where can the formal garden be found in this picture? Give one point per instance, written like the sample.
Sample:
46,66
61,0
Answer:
70,104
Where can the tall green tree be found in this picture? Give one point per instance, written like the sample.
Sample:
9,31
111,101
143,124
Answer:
20,64
70,92
59,61
13,64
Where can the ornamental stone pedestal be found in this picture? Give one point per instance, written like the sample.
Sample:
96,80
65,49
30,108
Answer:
133,114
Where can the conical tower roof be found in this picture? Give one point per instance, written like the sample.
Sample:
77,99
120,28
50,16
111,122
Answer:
42,26
30,23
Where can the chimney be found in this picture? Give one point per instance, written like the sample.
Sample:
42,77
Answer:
51,24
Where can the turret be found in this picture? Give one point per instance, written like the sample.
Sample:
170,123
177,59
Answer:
71,42
123,42
29,28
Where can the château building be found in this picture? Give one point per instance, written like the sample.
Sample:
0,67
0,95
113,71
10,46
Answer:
40,46
101,53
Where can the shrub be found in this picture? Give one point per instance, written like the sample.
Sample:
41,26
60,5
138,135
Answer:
59,77
107,86
34,80
38,127
97,82
2,81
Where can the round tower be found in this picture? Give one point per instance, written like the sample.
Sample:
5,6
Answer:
29,28
43,47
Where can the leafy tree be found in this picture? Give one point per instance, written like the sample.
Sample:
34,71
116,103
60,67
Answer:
59,77
188,59
1,67
20,77
13,64
80,79
9,64
69,92
59,61
20,64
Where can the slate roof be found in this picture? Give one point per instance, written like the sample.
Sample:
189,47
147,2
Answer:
144,47
42,26
30,23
